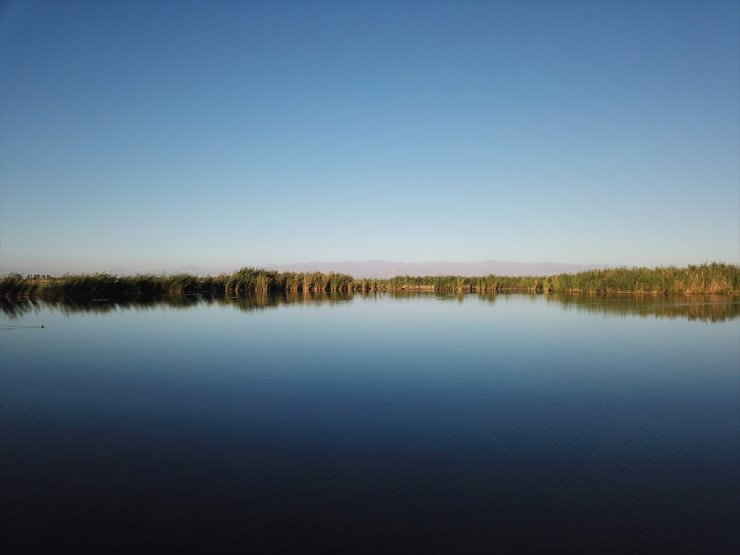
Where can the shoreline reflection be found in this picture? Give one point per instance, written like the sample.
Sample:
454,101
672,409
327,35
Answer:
705,308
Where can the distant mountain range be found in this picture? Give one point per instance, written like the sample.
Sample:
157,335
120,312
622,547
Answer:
381,269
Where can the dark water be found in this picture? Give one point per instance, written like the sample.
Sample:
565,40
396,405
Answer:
422,424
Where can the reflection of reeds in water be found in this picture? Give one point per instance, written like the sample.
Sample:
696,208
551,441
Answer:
263,299
700,308
15,308
708,308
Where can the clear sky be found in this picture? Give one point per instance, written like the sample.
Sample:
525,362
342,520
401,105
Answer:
148,135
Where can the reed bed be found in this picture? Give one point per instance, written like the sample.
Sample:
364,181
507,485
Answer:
712,279
454,283
241,282
709,279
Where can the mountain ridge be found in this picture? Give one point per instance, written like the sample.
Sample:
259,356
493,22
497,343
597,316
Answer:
380,269
383,269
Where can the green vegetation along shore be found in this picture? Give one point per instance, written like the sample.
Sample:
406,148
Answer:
715,279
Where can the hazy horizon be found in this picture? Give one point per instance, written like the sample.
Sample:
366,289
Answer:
155,135
382,269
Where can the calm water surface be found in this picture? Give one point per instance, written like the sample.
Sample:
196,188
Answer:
421,424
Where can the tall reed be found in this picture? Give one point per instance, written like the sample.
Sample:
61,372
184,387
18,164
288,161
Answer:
244,281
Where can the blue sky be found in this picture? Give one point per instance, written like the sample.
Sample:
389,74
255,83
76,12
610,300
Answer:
149,135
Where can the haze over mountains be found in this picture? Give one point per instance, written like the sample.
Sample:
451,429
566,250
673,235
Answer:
384,269
365,269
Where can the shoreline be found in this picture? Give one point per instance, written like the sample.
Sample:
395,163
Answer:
705,279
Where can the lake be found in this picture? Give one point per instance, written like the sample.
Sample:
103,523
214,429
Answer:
372,424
